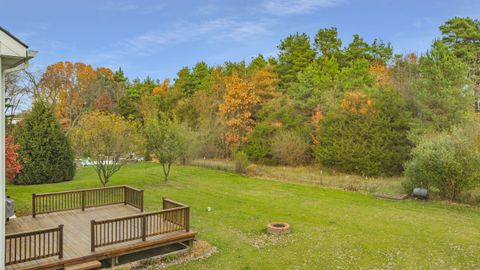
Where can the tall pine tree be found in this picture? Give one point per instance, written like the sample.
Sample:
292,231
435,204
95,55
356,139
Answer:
295,55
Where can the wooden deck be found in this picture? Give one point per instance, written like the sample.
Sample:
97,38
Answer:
117,230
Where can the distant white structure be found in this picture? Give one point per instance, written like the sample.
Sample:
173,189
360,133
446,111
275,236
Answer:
14,56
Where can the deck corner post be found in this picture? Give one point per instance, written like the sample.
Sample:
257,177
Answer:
60,241
141,201
125,195
83,200
163,202
92,235
33,205
187,219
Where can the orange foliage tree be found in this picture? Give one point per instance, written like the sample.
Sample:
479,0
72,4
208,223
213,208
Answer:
317,117
161,89
12,164
67,87
357,102
382,74
236,110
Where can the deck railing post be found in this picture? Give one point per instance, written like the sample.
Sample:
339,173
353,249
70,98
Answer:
33,205
187,219
141,200
60,241
83,200
125,195
163,202
92,235
144,228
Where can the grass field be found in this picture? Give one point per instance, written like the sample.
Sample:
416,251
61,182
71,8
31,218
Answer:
332,229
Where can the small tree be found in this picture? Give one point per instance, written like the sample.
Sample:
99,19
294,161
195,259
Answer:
167,140
12,158
289,148
47,156
107,137
448,161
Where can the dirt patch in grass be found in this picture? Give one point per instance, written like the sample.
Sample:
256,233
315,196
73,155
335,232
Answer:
200,250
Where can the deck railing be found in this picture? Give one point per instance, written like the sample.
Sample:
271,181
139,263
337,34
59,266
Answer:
85,198
33,245
112,231
134,197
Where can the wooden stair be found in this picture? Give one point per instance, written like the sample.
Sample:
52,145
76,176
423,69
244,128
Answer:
84,266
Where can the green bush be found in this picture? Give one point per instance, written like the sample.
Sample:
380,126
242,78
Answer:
46,151
364,136
259,146
448,161
289,148
279,115
241,162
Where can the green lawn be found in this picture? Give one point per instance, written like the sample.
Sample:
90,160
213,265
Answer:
331,228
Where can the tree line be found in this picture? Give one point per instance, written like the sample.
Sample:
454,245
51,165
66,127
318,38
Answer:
356,107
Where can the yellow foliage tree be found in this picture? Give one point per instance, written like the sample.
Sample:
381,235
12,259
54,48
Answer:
265,83
357,102
161,89
382,73
236,110
107,137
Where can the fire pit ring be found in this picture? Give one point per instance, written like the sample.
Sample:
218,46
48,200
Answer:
278,228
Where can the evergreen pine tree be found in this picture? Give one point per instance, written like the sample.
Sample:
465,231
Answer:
366,136
44,147
295,55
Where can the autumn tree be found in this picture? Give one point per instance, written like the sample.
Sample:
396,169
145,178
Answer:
265,85
382,74
12,158
161,89
65,85
109,139
236,109
73,88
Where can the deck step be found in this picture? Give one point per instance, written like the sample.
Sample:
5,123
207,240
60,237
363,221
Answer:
84,266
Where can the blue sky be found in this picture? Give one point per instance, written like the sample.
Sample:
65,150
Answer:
157,38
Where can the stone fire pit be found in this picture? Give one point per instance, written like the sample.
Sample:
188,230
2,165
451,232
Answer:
278,228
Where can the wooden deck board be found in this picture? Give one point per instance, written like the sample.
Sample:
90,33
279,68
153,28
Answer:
76,231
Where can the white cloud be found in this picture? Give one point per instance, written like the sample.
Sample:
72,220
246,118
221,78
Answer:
212,29
123,6
290,7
